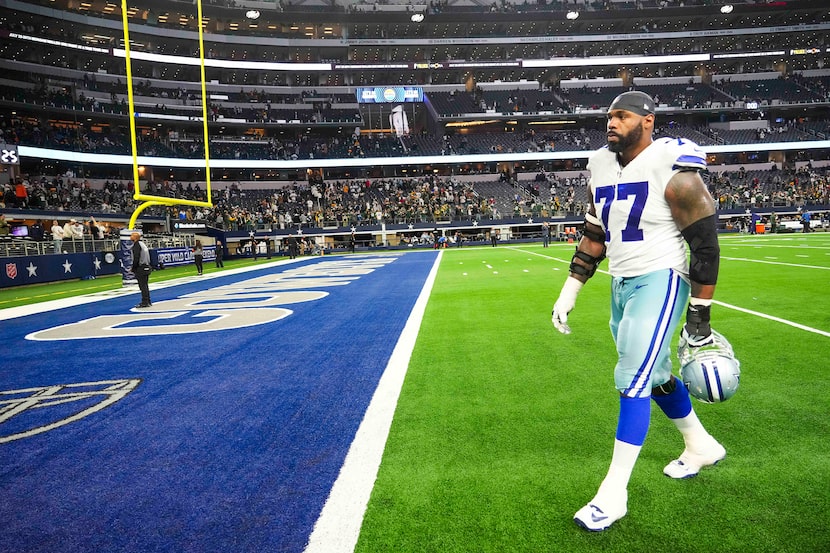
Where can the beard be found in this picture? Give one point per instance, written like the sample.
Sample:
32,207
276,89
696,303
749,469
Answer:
625,141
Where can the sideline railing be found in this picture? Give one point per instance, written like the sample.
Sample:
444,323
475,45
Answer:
15,247
20,247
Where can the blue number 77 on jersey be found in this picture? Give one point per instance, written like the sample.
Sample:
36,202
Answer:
608,194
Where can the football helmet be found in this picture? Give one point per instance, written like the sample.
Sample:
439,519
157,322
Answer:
710,372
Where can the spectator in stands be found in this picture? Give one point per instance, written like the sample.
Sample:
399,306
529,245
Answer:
69,230
36,230
92,226
77,231
4,225
57,236
21,192
8,199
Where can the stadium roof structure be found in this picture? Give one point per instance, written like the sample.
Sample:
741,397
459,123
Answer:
516,68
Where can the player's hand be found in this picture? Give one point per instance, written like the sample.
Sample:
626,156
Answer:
695,340
564,304
559,316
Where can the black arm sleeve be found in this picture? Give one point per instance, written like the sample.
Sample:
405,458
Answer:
704,262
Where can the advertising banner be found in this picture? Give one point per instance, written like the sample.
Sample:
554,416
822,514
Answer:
127,276
389,94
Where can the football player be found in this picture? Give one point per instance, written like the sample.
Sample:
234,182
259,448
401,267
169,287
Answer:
648,201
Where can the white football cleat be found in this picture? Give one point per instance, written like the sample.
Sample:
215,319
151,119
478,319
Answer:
690,463
597,518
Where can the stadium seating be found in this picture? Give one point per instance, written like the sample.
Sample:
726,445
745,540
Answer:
64,89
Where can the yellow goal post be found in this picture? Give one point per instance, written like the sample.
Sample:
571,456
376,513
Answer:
150,199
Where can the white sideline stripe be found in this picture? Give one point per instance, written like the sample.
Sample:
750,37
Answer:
559,259
773,318
338,527
776,263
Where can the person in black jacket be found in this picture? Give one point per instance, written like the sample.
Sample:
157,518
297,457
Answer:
36,230
141,268
293,246
220,253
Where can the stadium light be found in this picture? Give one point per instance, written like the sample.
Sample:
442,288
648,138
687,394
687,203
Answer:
727,8
572,15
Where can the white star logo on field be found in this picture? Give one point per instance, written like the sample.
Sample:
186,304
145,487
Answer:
530,220
411,226
89,397
299,231
354,229
97,263
32,269
67,267
475,223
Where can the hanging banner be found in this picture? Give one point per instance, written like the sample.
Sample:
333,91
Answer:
127,276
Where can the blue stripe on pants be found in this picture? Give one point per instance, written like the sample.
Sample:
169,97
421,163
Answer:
645,311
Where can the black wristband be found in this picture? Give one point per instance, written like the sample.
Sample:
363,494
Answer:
697,320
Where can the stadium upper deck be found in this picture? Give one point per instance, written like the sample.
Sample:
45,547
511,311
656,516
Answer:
387,47
489,73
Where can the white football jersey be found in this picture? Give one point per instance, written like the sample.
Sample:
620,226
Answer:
640,233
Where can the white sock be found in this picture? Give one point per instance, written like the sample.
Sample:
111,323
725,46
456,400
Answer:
615,485
694,434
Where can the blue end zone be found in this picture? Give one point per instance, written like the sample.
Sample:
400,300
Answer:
225,440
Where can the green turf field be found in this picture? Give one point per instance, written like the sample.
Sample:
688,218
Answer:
505,427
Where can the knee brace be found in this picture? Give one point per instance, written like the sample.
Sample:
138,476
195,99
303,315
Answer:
664,389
